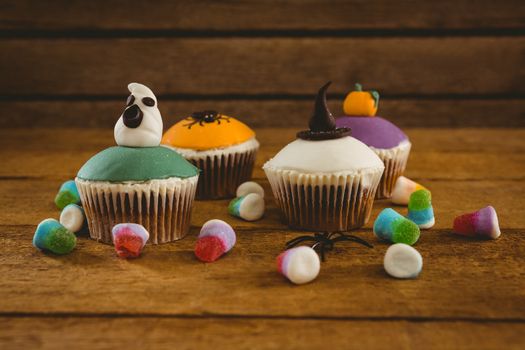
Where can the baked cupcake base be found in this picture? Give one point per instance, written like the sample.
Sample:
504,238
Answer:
163,207
395,160
331,203
222,170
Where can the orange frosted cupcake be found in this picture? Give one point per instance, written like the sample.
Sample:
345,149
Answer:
222,147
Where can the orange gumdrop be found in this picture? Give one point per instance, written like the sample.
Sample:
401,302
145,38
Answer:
361,103
214,131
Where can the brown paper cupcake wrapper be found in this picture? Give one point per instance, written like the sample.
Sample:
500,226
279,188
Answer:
324,202
222,172
163,207
395,161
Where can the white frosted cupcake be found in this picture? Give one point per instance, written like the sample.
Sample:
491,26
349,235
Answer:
325,180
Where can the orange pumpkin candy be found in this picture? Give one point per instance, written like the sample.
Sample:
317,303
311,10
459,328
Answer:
361,103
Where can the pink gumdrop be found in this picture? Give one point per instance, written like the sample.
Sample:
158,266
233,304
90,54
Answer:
482,224
215,239
129,239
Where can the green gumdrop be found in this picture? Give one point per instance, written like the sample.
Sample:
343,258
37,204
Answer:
233,207
64,198
420,200
60,241
405,231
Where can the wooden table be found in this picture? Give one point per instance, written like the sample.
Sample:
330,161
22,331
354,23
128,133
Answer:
471,294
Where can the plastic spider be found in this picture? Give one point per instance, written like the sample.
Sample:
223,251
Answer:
205,117
325,241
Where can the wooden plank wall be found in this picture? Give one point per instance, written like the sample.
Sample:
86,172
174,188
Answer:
66,63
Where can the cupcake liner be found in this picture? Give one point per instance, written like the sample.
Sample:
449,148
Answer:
163,207
222,170
319,202
395,160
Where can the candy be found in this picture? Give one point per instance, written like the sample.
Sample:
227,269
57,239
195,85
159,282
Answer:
73,218
403,188
67,194
129,239
300,264
481,224
402,261
249,187
215,239
393,227
51,236
420,209
249,207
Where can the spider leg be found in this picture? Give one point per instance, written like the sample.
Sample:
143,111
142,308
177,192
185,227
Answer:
321,247
361,241
333,235
300,239
352,238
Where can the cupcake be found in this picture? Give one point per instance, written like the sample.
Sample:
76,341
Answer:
384,138
138,181
325,180
222,147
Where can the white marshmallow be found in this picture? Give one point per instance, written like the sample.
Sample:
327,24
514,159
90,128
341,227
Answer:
249,187
300,265
149,132
72,217
402,261
403,188
249,207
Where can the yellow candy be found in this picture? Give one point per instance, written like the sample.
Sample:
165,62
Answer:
361,103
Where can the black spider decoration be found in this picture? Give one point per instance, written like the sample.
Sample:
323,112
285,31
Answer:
325,241
205,117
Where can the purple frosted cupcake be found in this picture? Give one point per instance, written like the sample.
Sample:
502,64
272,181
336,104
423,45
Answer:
389,142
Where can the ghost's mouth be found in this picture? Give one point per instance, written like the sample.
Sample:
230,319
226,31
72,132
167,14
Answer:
132,117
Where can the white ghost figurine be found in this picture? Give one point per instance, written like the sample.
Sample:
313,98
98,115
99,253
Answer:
141,123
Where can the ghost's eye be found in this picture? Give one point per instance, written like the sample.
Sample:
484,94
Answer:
130,100
148,101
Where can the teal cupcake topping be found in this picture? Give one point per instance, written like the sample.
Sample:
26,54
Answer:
118,164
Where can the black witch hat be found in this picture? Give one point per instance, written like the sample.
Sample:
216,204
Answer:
322,124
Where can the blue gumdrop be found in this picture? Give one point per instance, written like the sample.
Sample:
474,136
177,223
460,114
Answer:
67,194
383,223
44,229
421,216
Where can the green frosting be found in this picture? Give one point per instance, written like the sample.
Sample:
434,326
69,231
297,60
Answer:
117,164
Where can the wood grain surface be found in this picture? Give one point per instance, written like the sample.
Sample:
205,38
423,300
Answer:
394,66
69,61
259,15
158,333
451,73
405,112
470,295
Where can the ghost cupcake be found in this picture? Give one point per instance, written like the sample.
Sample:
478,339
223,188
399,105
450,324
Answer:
383,137
325,180
222,147
138,181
